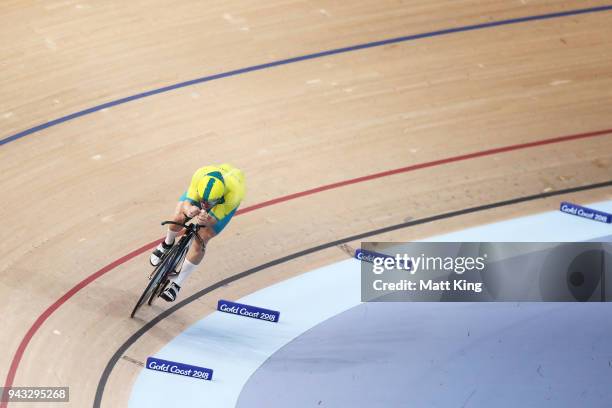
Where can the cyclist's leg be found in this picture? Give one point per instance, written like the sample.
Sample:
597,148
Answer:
195,256
197,250
191,262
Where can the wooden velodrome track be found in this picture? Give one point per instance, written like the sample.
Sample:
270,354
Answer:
80,195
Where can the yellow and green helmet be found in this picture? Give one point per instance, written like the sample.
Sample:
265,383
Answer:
211,188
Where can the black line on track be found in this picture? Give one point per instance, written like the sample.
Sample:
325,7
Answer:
134,337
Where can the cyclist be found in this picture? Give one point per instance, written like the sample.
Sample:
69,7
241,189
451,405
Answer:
213,196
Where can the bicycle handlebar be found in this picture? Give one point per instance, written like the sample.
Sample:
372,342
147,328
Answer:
191,228
175,223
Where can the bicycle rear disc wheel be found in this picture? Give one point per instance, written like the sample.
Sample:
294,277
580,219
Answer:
177,256
159,273
158,291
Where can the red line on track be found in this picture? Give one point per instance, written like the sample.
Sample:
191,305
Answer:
425,165
49,311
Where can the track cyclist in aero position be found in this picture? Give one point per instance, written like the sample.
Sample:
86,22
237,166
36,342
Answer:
213,196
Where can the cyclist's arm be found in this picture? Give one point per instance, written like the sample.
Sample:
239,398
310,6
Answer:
207,219
189,209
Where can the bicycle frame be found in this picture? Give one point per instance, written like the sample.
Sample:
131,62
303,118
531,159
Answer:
159,277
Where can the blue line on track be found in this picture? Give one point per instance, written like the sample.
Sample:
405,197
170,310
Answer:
297,59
